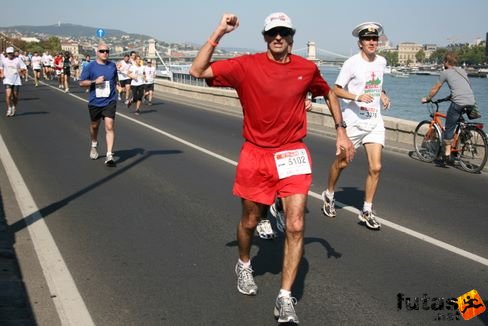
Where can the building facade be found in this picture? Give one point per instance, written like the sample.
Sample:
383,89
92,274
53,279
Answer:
407,52
71,47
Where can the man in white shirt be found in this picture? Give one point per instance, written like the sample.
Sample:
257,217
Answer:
123,67
136,73
150,75
360,85
36,62
11,71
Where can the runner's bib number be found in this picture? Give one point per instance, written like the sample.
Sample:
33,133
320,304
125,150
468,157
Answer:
293,162
103,90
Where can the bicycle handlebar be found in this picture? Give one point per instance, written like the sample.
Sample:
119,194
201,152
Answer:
445,99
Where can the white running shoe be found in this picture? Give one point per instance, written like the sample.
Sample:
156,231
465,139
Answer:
329,205
369,218
245,280
277,211
265,230
9,111
93,152
12,113
284,310
109,160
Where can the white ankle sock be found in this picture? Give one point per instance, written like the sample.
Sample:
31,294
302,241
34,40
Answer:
367,207
245,264
329,195
284,293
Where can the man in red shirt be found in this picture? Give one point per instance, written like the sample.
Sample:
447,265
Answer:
272,88
58,65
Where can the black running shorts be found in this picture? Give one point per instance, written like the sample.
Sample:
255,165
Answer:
97,113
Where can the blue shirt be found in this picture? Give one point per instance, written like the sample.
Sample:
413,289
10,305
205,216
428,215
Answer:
109,72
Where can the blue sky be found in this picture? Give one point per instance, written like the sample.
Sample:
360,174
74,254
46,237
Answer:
328,23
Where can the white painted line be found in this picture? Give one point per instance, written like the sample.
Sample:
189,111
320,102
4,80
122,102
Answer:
415,234
68,302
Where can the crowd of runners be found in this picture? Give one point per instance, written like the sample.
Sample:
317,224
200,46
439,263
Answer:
136,76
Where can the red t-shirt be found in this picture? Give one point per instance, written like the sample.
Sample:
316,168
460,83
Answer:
272,95
58,62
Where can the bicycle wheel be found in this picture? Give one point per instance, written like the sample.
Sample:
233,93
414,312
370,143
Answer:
472,149
427,141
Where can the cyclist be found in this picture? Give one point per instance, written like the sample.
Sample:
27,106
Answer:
461,97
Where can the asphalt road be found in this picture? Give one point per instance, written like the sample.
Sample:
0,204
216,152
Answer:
152,241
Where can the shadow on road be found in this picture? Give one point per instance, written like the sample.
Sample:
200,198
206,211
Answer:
15,306
121,155
350,196
269,259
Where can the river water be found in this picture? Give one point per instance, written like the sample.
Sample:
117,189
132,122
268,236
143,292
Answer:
405,94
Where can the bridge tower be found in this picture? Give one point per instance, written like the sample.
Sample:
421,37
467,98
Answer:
151,49
311,51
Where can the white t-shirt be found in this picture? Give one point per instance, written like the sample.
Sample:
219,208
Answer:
45,60
11,70
359,76
139,73
122,70
150,74
36,62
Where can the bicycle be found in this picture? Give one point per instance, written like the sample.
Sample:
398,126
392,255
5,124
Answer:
469,145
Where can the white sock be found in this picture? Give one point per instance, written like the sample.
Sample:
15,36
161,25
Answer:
367,207
245,264
284,293
329,195
94,144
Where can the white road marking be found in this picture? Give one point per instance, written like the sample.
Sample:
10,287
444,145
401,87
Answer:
67,299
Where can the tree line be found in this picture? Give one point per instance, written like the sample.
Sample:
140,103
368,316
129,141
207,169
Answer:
51,44
471,55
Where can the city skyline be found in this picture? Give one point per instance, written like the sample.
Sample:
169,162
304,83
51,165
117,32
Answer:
328,25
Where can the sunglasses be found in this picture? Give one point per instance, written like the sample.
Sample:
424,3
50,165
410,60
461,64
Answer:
104,51
284,32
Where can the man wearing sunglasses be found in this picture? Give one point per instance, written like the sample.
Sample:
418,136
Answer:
101,78
272,88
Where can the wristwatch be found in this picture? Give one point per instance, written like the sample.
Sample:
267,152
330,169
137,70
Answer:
341,124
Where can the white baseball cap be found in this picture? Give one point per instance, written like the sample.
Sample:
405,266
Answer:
9,50
277,19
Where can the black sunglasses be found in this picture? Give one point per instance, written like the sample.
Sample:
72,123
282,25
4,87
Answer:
104,51
284,32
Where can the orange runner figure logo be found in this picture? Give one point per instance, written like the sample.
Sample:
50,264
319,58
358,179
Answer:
470,305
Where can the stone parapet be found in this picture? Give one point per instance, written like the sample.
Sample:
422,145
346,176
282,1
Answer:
398,131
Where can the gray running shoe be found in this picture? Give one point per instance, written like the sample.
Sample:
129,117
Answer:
277,211
370,220
329,206
284,310
245,281
93,152
265,230
109,160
